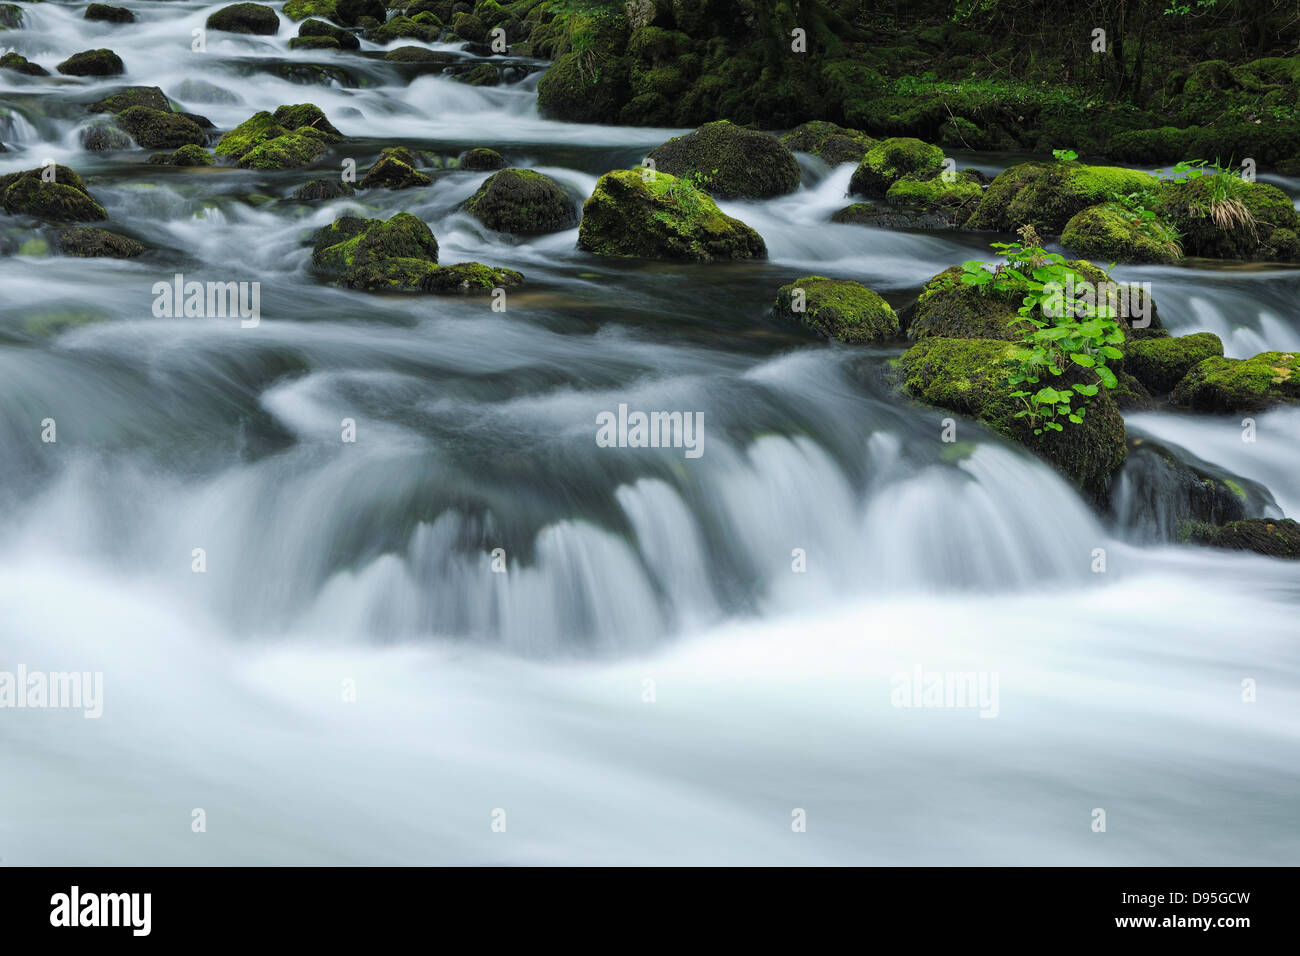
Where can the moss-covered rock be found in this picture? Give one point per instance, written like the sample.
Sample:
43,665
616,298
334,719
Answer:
314,43
1047,196
98,243
891,160
959,192
481,158
394,169
831,143
419,54
155,129
185,156
969,377
320,30
407,276
291,136
574,90
352,13
320,189
423,27
469,27
109,14
522,202
63,199
1225,217
884,216
252,18
20,64
350,242
1161,363
730,161
1219,384
302,9
92,63
11,16
839,309
635,213
1109,231
101,137
1273,537
148,96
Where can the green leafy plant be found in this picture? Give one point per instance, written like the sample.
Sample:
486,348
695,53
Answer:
1059,331
1065,155
1136,205
1226,190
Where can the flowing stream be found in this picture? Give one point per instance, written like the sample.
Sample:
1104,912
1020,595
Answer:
630,573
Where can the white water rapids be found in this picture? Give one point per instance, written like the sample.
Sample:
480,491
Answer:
368,565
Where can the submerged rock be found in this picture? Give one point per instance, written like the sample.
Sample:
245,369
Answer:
98,243
523,202
245,18
155,129
1219,384
839,309
419,54
102,136
636,213
394,169
1274,537
481,158
730,161
319,189
969,376
1161,363
891,160
64,199
1047,196
832,144
1109,231
92,63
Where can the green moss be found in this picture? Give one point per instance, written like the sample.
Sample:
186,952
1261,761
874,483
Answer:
633,213
34,247
1048,196
350,242
66,199
949,308
285,152
892,159
426,30
149,96
307,114
254,131
833,144
319,29
469,27
481,158
583,89
1190,206
1219,384
1108,231
156,129
92,63
301,9
837,308
468,278
98,243
291,136
395,169
969,377
1161,363
1276,538
314,43
730,161
964,190
522,202
20,64
252,18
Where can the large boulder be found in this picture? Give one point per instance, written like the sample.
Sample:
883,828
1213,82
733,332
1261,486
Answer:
956,194
92,63
838,309
1225,217
20,64
156,129
245,18
1111,232
1219,384
970,377
832,144
480,158
891,160
63,199
109,14
523,202
320,30
422,27
641,214
148,96
570,90
730,161
1047,196
1161,363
